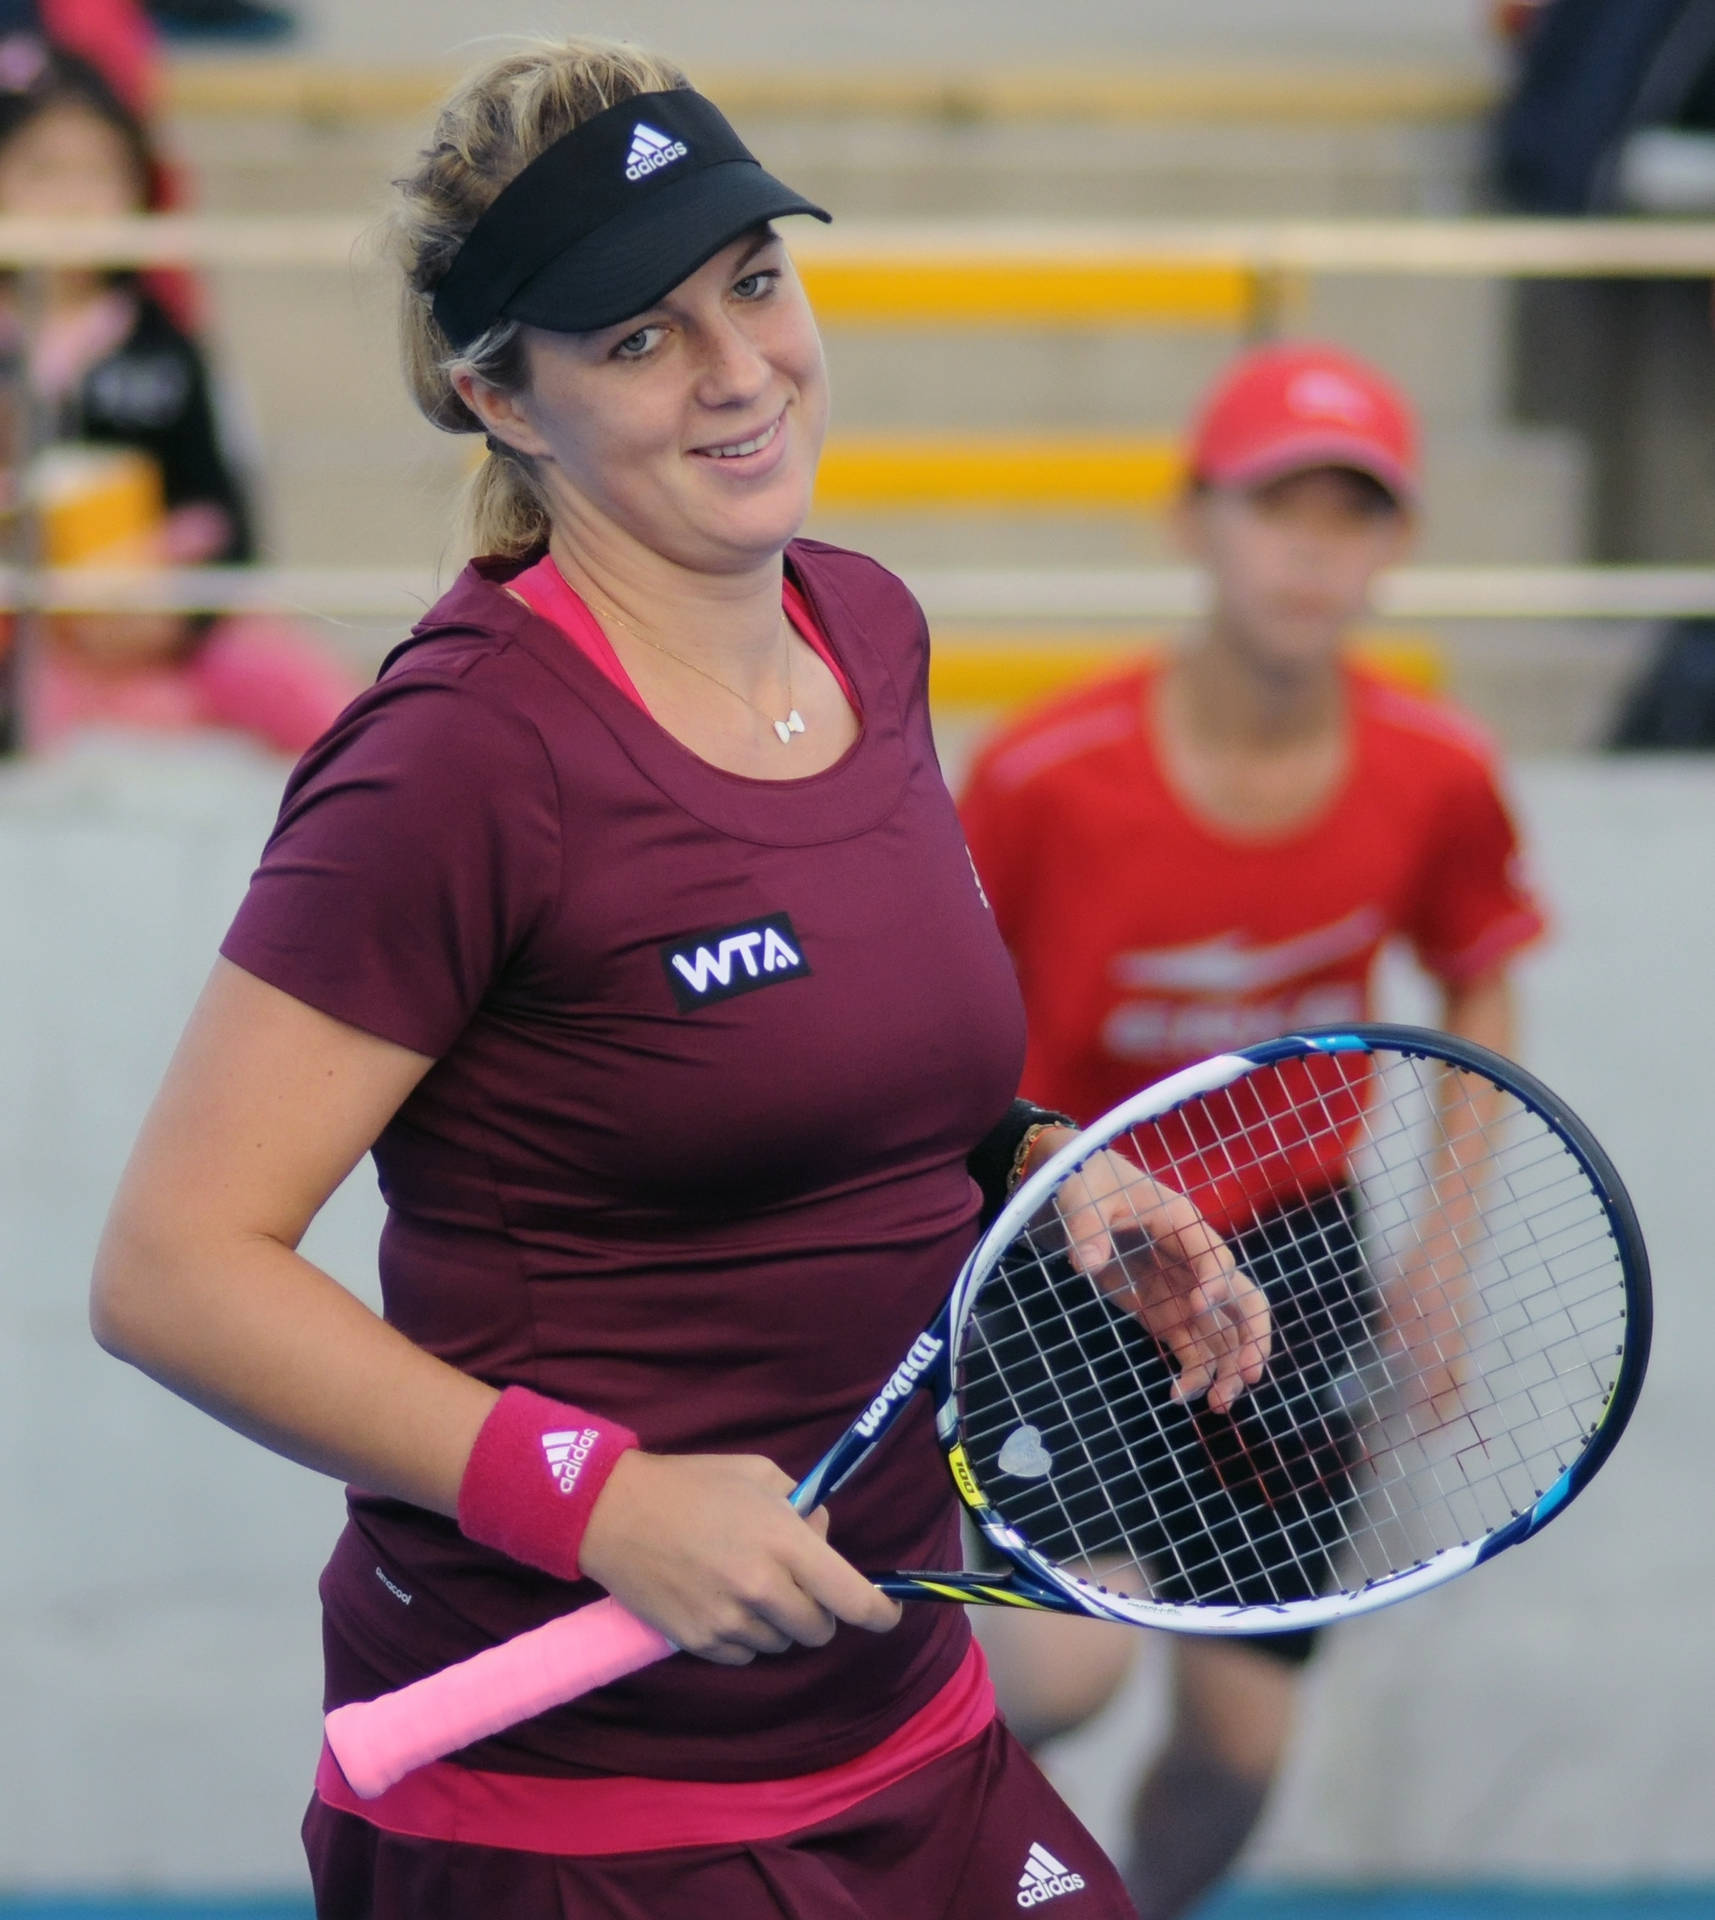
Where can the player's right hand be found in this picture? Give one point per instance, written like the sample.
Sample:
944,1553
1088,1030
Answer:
708,1549
1151,1252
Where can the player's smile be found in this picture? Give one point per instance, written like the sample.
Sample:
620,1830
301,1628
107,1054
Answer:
745,450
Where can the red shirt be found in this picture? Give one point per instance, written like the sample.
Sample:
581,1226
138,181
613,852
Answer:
1147,937
711,1053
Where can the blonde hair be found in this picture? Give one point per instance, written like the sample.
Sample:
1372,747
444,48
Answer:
487,134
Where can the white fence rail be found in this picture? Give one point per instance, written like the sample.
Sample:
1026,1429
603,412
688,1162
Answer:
1499,248
993,596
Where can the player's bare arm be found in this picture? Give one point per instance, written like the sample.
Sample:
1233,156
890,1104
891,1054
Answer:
267,1106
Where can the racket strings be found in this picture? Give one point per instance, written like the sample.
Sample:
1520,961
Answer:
1449,1313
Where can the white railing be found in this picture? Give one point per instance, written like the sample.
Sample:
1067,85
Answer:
1493,248
994,596
1269,251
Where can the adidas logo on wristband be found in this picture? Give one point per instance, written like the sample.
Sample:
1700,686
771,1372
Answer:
567,1453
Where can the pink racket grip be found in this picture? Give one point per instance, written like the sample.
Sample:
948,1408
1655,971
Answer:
378,1742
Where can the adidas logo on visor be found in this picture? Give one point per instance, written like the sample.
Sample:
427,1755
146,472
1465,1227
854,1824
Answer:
651,151
1044,1878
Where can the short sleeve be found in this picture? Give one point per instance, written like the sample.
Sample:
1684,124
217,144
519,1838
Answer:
1474,907
998,827
416,852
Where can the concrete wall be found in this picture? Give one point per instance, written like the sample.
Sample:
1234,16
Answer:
157,1612
158,1655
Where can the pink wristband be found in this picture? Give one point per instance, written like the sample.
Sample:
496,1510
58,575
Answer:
533,1477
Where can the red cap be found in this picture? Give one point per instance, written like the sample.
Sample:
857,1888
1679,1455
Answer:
1287,409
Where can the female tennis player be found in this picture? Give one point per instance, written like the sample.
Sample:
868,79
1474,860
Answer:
1207,851
629,922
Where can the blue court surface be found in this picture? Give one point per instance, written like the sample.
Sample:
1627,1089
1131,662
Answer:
1244,1903
1462,1903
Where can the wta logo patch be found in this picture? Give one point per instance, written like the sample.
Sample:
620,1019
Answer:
705,967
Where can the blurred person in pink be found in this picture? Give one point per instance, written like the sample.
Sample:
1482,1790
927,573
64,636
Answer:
251,675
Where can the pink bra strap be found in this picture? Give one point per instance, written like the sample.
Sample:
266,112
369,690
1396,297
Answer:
544,590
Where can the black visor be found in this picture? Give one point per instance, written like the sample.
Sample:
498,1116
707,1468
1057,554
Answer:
610,218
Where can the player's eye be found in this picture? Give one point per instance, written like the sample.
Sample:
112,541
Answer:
758,285
636,345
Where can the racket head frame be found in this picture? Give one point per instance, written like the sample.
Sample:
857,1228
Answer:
1036,1582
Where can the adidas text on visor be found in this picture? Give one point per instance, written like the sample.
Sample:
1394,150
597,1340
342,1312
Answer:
610,218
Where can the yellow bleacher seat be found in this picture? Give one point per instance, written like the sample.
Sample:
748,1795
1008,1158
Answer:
1018,473
1048,292
969,670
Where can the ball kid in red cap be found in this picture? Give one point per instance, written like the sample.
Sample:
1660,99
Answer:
1207,847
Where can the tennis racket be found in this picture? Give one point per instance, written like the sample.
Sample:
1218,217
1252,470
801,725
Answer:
1460,1307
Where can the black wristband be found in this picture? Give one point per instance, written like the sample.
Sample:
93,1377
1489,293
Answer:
990,1162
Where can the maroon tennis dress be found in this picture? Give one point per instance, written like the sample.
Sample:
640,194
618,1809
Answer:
710,1055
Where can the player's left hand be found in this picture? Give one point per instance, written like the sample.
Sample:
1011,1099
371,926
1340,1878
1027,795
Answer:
1151,1252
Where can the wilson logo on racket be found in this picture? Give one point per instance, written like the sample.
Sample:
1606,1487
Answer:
905,1376
567,1452
720,965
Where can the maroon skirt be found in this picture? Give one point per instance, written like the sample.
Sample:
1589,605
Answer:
973,1835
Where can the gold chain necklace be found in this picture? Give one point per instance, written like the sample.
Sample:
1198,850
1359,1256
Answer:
784,729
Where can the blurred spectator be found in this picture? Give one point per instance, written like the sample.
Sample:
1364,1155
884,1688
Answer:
1598,83
1202,852
1612,111
252,675
1671,705
102,507
104,361
104,356
117,35
114,36
222,20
